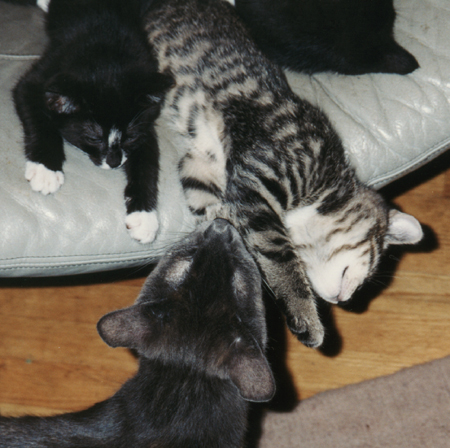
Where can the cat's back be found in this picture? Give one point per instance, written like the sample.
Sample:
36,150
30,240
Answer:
205,38
69,20
96,37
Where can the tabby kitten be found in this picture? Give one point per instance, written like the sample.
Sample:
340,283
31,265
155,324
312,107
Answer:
198,326
97,87
269,162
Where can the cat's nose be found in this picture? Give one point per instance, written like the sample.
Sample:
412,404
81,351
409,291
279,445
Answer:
219,225
114,159
220,228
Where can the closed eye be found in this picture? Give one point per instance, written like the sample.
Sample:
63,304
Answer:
344,271
94,140
132,138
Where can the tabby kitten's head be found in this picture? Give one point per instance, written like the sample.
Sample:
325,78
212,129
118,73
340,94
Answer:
106,120
342,249
201,308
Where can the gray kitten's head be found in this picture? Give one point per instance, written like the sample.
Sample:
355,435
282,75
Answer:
201,308
342,249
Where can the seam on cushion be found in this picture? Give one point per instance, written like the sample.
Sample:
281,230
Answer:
127,255
158,248
19,57
148,260
344,109
411,165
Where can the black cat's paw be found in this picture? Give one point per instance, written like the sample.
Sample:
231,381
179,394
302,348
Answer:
42,179
142,226
309,332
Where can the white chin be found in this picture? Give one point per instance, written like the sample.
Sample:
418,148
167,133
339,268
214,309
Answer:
336,295
105,166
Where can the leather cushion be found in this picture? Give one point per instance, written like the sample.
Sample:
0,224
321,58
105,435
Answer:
389,124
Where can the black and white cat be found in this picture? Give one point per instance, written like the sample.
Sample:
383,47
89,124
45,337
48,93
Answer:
96,86
344,36
199,328
269,162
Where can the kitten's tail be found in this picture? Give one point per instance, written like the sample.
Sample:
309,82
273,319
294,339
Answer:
96,427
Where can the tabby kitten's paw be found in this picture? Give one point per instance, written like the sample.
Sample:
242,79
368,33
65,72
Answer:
42,179
309,332
142,226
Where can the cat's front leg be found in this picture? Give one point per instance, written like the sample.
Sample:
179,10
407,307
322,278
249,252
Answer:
286,278
269,242
42,179
141,192
142,226
43,143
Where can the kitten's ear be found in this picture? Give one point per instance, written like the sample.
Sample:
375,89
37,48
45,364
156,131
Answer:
251,374
61,92
61,104
124,328
403,229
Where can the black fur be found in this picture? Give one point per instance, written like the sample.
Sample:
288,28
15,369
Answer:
22,2
96,74
199,328
345,36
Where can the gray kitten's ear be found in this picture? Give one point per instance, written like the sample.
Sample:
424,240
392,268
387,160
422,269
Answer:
124,328
60,103
251,374
403,229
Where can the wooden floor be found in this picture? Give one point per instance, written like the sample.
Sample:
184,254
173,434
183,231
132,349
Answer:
52,360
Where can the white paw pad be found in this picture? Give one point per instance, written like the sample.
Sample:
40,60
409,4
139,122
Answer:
42,179
142,226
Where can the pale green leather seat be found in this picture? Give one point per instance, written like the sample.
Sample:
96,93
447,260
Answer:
390,125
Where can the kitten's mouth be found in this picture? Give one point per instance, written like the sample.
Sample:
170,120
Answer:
340,294
345,294
105,165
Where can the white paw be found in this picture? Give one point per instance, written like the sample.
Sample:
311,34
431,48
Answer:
43,4
142,226
42,179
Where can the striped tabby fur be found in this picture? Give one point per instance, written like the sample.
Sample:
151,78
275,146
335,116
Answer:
269,162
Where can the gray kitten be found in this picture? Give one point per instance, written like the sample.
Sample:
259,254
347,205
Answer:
199,329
